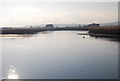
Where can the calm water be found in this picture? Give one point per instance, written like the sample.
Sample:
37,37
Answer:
60,55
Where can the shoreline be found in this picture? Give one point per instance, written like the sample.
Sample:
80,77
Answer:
22,30
111,31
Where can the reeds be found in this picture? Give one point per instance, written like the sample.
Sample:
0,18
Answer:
22,30
111,30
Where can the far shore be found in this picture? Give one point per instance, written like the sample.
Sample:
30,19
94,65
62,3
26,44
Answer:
102,31
36,30
111,31
22,30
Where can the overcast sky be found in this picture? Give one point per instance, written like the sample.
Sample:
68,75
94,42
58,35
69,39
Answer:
36,12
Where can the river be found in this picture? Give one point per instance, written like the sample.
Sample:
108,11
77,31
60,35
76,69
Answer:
60,55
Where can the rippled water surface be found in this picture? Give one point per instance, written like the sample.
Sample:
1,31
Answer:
60,55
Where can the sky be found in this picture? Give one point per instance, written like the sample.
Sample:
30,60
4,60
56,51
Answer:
36,12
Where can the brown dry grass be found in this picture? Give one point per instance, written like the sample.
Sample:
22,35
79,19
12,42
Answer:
22,30
112,30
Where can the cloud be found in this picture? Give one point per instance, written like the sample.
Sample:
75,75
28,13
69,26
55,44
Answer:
57,13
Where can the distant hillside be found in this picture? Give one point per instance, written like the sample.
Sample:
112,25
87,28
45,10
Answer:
76,25
56,25
67,25
110,24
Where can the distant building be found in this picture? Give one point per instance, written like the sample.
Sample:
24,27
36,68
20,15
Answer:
49,26
79,25
93,25
84,25
31,27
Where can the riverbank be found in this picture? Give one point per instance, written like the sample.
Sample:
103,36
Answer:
36,30
102,31
112,31
22,30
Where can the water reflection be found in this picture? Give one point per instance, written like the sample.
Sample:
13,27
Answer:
107,39
12,74
84,34
61,55
23,35
16,35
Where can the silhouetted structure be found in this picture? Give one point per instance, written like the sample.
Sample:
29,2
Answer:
93,25
80,25
49,26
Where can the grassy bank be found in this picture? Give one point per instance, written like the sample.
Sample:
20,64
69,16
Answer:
22,30
104,31
35,30
112,31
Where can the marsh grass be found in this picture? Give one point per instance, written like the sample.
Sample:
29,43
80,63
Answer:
111,30
22,30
